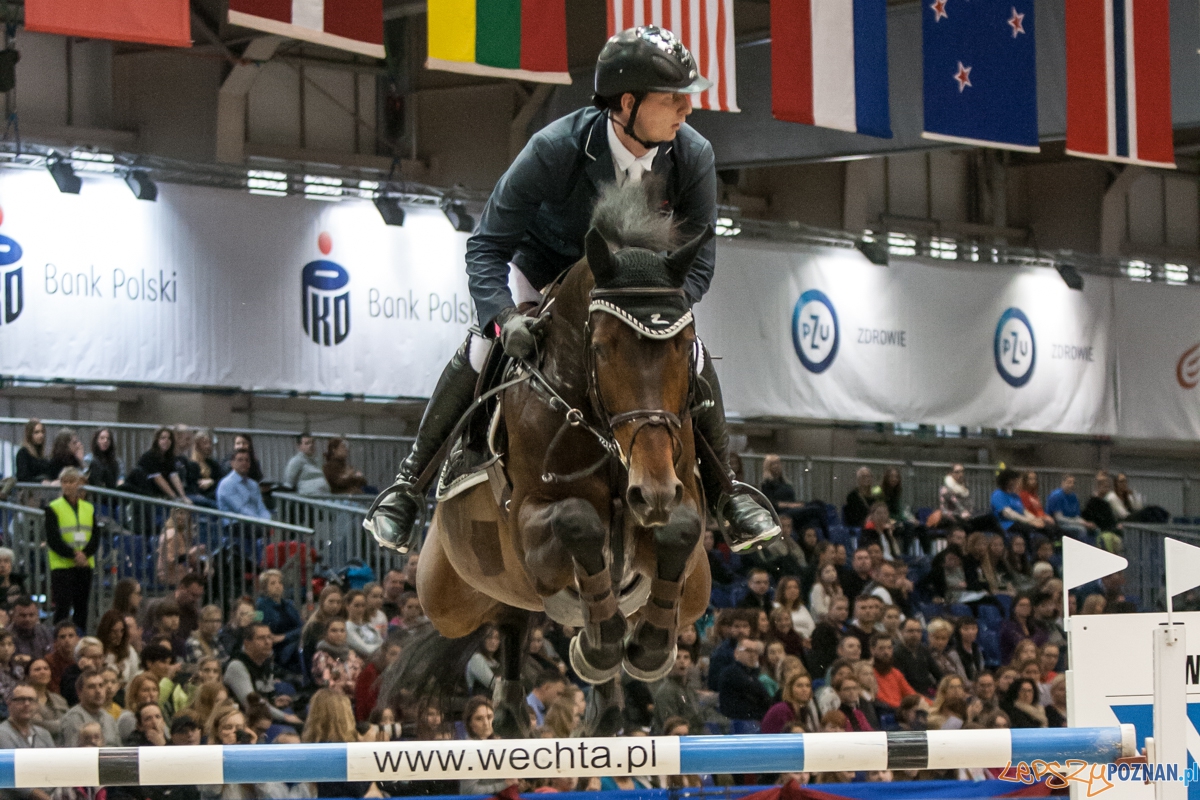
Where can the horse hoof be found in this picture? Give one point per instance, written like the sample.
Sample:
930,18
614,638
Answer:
651,675
586,671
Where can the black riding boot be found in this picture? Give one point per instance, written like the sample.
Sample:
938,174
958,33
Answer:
750,524
392,521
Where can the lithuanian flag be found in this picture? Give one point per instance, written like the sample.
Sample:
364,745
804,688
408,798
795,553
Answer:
520,39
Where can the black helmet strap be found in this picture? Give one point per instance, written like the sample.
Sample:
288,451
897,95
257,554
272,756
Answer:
638,97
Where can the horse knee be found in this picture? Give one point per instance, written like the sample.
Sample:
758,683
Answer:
675,541
577,524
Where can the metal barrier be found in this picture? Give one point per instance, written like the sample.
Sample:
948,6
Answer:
543,758
236,548
377,456
831,479
1144,578
23,531
338,537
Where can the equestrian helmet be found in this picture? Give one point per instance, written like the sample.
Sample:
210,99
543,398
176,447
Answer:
647,59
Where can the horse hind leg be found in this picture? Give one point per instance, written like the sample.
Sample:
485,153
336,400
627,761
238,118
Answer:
508,697
650,650
597,650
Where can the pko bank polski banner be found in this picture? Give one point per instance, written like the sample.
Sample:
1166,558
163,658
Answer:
825,334
215,287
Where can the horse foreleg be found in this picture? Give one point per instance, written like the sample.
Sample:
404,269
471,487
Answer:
575,526
508,696
605,714
650,652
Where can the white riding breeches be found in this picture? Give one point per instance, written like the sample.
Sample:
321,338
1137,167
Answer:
523,292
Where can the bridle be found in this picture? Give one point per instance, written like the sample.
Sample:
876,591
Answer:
609,301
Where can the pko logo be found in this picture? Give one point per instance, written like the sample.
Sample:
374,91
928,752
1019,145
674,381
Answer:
1187,370
1015,347
12,285
325,300
815,331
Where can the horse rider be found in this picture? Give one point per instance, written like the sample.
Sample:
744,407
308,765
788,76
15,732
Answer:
536,220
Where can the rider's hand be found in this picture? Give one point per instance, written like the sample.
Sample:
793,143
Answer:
518,333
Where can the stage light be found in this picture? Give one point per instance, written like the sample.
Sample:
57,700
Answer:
456,212
1070,276
140,184
64,177
875,251
389,208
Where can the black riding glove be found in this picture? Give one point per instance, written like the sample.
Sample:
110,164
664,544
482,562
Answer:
518,333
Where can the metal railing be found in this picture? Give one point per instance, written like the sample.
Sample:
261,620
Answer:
22,529
377,456
830,479
1145,578
338,534
235,547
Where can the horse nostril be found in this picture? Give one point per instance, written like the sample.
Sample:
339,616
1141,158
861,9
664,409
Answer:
678,493
637,498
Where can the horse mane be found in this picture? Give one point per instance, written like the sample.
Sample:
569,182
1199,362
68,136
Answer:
626,217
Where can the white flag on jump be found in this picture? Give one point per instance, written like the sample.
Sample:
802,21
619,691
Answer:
1083,563
1183,566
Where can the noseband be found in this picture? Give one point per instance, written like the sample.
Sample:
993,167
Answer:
616,302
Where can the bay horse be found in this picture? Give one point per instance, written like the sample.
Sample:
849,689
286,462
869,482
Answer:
601,525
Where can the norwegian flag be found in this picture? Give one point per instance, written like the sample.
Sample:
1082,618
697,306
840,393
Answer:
1119,81
704,26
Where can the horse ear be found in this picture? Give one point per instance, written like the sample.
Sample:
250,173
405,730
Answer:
599,257
679,263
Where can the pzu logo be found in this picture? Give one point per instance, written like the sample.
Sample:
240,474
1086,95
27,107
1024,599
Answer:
12,286
1015,348
324,305
815,331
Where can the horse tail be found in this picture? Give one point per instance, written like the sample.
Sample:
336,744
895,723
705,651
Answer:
627,217
431,668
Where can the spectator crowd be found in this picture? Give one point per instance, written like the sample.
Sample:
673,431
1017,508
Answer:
865,618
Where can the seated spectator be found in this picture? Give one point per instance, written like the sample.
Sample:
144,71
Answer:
243,616
966,645
203,471
826,636
1021,706
1016,627
826,587
63,654
858,501
849,692
303,474
151,728
1008,508
1123,501
547,688
10,672
826,697
1031,499
281,616
540,657
741,696
137,637
12,584
776,487
21,730
102,466
342,478
1094,604
31,638
90,688
985,692
157,470
252,669
412,617
783,632
142,689
335,665
946,581
954,497
366,688
722,563
1056,710
50,706
205,641
207,697
891,492
161,662
914,660
949,708
165,625
1063,506
186,732
331,605
238,493
114,634
375,615
759,595
675,699
881,531
89,654
178,553
242,441
67,451
32,466
484,664
738,625
890,624
361,635
859,575
867,611
891,686
944,656
797,708
1098,511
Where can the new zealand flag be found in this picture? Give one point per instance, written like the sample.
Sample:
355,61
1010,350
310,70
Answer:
981,73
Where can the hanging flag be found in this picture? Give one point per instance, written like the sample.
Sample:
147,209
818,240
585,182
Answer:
519,39
981,73
706,29
1083,563
829,64
1119,81
354,25
162,22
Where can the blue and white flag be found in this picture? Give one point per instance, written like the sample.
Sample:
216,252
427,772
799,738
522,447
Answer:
981,73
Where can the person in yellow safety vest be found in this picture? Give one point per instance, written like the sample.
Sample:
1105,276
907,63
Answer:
72,539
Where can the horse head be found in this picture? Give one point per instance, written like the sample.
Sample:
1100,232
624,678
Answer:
640,352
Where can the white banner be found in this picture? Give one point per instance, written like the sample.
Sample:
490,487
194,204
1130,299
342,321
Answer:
1158,352
825,334
209,287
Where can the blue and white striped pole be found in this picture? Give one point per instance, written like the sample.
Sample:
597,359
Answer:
541,758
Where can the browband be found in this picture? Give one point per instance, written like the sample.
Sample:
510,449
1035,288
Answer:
655,328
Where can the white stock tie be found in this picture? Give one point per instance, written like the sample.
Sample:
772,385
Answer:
634,173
